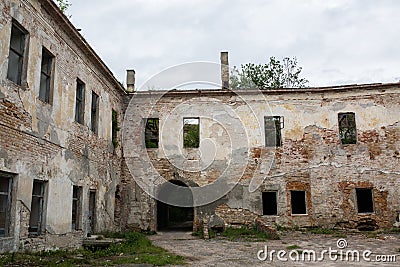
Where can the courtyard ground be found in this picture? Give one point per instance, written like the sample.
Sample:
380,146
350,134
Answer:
223,252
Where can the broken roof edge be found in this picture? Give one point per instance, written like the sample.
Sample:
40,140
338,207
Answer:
323,89
54,11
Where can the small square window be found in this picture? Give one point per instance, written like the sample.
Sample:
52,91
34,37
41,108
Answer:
298,202
365,202
270,205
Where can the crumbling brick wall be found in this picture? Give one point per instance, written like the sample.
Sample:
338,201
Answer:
311,158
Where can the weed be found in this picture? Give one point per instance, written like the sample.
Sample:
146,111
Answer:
321,231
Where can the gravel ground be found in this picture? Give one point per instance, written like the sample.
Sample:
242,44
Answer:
222,252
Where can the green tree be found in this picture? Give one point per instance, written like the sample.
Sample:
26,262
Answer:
274,74
63,5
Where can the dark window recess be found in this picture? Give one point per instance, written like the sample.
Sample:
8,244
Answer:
151,133
115,128
16,54
45,91
273,127
37,208
94,117
365,202
76,207
298,202
347,128
270,205
80,102
5,203
92,211
191,132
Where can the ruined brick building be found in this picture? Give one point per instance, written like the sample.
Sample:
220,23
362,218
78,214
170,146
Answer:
319,156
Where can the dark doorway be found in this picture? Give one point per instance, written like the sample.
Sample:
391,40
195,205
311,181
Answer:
170,217
92,211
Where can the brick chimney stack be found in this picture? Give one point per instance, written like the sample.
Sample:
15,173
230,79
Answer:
225,70
130,81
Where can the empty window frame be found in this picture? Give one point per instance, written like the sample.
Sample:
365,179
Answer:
151,133
191,132
347,128
365,202
94,114
16,54
5,203
273,126
92,210
298,202
269,201
80,102
76,207
45,90
114,128
37,207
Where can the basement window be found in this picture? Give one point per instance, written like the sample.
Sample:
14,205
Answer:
273,126
17,55
365,202
5,203
151,132
76,207
37,207
191,132
270,205
94,114
347,128
80,102
45,91
298,202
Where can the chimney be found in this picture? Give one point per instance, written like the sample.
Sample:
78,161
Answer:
130,81
225,70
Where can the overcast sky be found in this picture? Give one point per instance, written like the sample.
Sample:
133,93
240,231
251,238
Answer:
336,42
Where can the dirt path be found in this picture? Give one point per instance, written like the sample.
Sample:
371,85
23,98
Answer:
222,252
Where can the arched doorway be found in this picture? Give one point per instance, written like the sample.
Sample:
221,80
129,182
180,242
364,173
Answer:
170,217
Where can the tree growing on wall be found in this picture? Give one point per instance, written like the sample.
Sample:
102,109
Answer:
274,74
63,5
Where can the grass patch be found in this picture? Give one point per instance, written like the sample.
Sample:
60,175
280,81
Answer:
321,231
198,233
248,234
392,231
135,248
